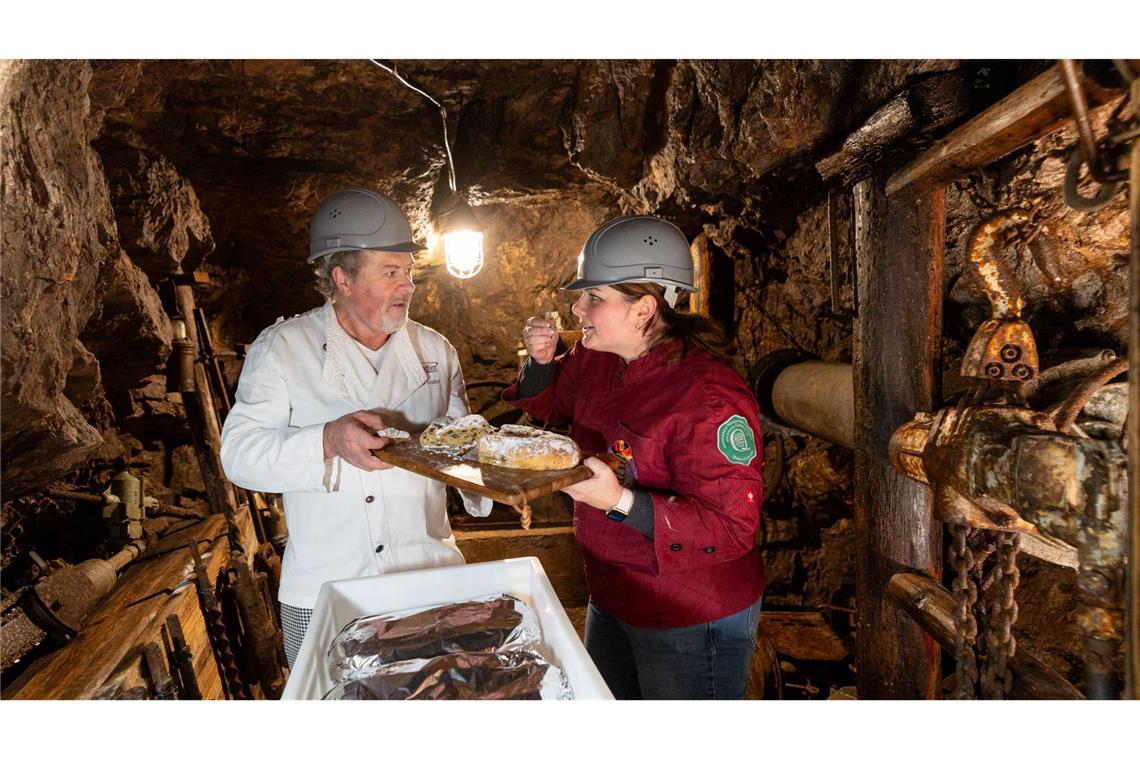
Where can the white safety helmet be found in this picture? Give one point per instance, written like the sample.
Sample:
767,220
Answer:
357,219
636,249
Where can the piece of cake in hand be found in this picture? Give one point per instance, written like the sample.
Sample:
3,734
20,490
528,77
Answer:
526,448
460,433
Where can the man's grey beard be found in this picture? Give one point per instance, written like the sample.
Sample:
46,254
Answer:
390,324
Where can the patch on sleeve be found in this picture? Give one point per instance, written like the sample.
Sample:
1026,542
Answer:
735,440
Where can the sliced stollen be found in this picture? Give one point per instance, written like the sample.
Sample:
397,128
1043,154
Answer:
455,433
526,448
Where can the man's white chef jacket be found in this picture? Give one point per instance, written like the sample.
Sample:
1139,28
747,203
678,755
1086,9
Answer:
343,522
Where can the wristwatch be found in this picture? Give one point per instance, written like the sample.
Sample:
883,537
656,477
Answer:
620,511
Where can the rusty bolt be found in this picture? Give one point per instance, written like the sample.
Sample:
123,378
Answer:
1010,352
994,370
1022,372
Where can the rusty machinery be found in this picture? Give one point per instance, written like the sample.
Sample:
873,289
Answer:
58,604
1005,477
1000,470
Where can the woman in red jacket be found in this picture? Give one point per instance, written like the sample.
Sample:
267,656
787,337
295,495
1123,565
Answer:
673,568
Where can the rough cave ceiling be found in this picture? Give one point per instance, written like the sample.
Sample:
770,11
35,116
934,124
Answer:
261,141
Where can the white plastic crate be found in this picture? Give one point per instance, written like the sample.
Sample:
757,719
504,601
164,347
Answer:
341,602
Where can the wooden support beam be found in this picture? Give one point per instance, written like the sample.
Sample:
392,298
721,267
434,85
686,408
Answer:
932,607
1030,112
897,340
933,102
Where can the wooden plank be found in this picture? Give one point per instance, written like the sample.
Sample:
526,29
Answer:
1037,108
802,635
932,607
130,672
121,622
503,484
897,337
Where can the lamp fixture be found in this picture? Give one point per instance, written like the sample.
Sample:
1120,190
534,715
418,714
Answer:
455,221
462,236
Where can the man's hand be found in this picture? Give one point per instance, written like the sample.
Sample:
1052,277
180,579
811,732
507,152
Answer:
353,437
602,491
540,340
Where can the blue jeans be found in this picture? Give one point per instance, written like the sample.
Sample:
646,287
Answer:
705,661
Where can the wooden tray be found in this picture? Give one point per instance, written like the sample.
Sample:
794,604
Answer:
503,484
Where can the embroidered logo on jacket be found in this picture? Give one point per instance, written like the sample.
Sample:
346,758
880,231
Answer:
431,369
735,440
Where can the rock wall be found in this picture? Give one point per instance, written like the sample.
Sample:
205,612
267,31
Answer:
85,333
59,237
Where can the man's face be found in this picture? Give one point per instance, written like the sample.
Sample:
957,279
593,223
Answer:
377,300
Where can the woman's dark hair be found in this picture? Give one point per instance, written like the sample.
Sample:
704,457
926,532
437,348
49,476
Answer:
668,323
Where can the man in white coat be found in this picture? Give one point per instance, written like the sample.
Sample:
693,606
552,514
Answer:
314,391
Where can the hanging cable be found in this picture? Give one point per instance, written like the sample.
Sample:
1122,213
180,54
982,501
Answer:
391,69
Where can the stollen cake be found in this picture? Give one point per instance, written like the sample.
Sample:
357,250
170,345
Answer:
455,433
526,448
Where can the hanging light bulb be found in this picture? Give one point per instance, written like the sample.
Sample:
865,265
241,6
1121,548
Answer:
463,250
462,237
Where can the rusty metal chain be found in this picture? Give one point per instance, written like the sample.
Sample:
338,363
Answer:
965,623
1020,234
1001,614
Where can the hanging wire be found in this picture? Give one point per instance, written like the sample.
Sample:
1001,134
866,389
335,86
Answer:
391,69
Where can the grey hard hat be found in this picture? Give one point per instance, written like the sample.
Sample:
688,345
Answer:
359,219
635,249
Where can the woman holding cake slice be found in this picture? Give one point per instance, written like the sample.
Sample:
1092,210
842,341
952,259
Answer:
672,564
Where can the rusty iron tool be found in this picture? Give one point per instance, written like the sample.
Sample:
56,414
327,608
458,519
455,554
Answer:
159,676
261,634
1007,469
18,636
235,686
183,659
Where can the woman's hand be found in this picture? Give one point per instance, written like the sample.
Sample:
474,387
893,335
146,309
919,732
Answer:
602,491
540,340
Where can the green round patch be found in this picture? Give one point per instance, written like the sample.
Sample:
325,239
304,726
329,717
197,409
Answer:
735,440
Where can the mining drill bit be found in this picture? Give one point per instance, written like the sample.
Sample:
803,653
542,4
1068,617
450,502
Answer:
236,688
260,632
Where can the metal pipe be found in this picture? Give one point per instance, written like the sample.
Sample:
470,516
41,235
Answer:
1067,413
1069,370
1076,96
82,498
818,397
798,391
